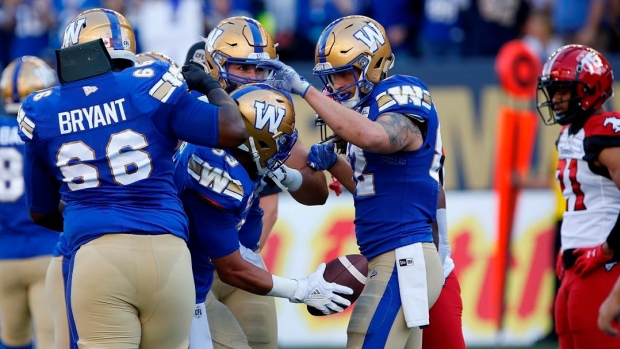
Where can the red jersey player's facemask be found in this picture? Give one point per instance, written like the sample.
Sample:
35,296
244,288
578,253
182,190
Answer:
581,70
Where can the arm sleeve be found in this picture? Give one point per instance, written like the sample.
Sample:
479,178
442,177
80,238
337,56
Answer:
613,239
195,121
42,188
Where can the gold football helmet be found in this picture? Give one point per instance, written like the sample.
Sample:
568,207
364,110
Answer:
155,56
269,117
115,30
353,43
238,40
22,77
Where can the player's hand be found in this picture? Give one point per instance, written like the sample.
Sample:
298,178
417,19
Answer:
322,156
314,291
590,258
609,313
198,80
559,266
291,80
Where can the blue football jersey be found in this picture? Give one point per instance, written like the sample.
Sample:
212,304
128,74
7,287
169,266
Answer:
396,194
108,142
217,194
19,236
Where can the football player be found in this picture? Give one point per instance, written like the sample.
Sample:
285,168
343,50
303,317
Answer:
103,143
219,190
574,84
446,315
25,248
232,49
394,148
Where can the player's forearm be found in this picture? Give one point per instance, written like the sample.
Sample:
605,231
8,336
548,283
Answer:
269,204
248,277
343,173
231,127
346,123
313,190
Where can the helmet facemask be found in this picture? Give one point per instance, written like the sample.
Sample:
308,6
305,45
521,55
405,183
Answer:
546,105
583,72
223,64
342,95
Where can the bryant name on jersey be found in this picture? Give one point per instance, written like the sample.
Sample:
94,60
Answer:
91,117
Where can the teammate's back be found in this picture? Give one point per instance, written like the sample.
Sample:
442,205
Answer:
110,144
103,142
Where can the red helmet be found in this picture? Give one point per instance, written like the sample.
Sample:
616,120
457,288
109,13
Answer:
582,69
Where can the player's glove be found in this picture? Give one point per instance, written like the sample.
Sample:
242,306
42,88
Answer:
290,178
291,80
198,80
559,266
314,291
322,156
589,259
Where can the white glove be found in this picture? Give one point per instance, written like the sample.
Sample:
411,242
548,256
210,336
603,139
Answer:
291,80
290,178
314,291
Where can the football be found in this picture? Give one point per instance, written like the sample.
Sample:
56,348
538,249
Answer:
351,271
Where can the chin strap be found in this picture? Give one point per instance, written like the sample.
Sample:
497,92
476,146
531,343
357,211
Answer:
261,171
287,179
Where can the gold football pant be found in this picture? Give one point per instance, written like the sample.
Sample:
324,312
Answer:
132,291
55,282
254,315
22,299
377,321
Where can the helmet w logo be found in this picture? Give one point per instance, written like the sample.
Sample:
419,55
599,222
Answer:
212,38
371,36
268,114
72,32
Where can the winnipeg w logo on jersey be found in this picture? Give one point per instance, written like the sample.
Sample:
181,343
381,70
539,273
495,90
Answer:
402,95
371,36
268,114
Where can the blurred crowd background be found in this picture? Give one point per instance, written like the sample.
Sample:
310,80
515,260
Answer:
431,30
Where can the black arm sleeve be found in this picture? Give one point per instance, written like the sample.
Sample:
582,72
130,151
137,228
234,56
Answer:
613,239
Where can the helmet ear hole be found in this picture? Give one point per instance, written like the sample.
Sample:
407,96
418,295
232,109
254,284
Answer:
263,145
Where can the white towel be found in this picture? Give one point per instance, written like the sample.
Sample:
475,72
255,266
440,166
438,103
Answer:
411,270
199,335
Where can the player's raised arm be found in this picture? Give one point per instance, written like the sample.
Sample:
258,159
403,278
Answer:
230,124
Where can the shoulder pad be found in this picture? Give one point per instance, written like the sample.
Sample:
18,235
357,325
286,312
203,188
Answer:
605,124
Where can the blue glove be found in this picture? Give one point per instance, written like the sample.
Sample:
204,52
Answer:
322,156
291,80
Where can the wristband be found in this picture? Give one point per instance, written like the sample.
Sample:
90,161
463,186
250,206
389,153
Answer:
282,287
293,179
